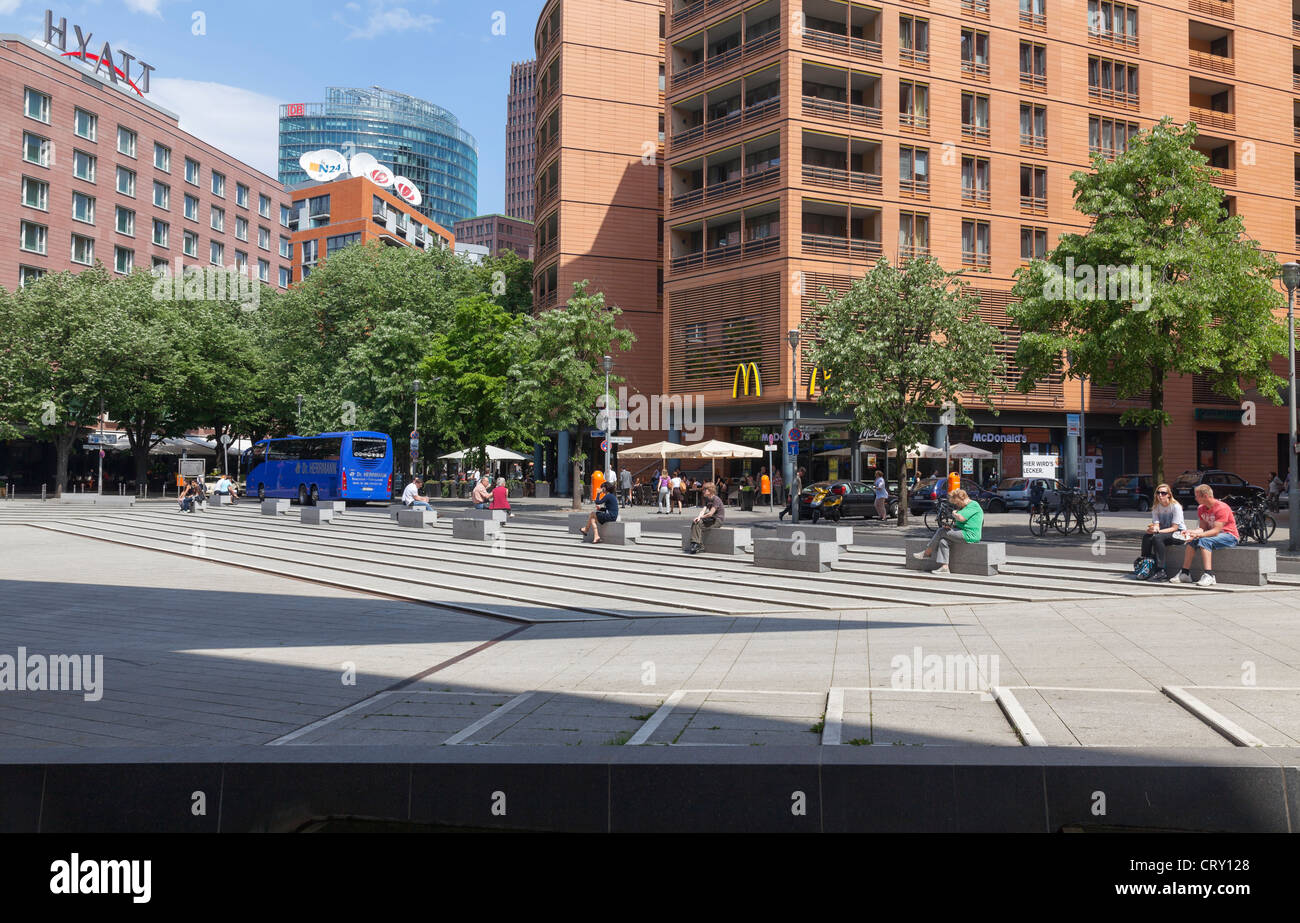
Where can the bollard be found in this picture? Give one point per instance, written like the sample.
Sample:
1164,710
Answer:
42,491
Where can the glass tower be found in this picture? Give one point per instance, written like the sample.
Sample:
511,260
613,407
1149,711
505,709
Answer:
410,136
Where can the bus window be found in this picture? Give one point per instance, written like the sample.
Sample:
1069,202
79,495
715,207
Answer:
363,447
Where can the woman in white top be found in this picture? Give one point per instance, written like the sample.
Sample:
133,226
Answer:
1166,522
676,486
882,496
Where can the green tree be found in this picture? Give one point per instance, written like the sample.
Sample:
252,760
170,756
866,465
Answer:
1164,283
902,341
508,277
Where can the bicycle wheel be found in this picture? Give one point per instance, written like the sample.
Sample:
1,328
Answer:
1061,520
1037,523
1087,519
931,520
1265,528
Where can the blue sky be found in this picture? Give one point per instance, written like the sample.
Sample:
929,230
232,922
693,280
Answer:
225,67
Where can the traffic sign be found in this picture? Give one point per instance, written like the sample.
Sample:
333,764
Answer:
620,440
604,445
795,435
1072,424
769,448
792,448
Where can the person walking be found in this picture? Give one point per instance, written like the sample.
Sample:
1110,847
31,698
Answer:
678,488
665,493
1275,486
796,488
607,503
765,486
1166,526
968,526
882,496
625,481
711,518
1218,529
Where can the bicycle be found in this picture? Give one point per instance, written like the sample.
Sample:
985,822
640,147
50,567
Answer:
942,516
1254,522
1075,513
1040,519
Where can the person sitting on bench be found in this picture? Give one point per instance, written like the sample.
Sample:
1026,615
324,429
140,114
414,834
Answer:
712,517
411,497
1218,530
607,500
481,496
968,526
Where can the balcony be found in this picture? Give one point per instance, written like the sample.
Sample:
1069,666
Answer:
712,65
549,300
1036,83
718,191
1035,143
976,259
840,111
546,94
1219,8
1224,177
548,249
1208,118
976,70
1295,82
917,122
842,179
1123,100
1033,205
1295,28
912,251
976,133
1211,62
913,57
842,44
726,254
750,115
977,196
1036,21
1112,39
842,246
914,188
546,197
547,146
977,8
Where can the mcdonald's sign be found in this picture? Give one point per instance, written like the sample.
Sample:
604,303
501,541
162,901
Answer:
812,382
742,378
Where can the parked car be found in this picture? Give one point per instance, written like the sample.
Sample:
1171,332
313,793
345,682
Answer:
1014,493
834,500
927,493
1131,491
1225,484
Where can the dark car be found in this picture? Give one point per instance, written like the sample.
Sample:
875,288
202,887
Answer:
1226,486
840,499
1131,491
927,493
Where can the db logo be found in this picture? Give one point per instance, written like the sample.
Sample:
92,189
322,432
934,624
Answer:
296,110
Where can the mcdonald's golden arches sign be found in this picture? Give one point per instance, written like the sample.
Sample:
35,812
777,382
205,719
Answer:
741,378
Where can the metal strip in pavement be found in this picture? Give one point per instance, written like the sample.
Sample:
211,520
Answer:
1225,726
1018,717
833,723
487,719
653,722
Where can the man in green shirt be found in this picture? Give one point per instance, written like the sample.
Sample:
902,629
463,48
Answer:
968,522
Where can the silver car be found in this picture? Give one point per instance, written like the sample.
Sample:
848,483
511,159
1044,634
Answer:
1015,492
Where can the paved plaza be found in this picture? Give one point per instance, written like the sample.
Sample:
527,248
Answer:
234,628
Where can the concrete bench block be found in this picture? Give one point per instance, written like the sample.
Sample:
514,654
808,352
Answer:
274,507
617,533
840,535
315,515
491,515
542,491
96,500
415,519
1244,565
481,530
982,558
338,506
577,521
794,554
721,539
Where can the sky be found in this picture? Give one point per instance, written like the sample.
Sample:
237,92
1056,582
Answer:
226,67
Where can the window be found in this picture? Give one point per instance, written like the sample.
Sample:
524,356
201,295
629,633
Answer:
1113,81
241,260
218,218
27,274
975,181
1033,13
310,252
83,208
190,243
1109,137
161,231
1033,127
264,238
36,149
914,41
32,237
285,276
318,211
161,266
285,215
1033,66
125,221
913,235
264,205
191,172
83,166
218,184
162,195
1033,243
975,54
1113,23
125,141
286,248
975,7
83,250
126,182
36,105
241,228
123,260
241,195
975,116
340,241
975,244
914,171
914,106
85,124
36,193
216,252
162,157
1033,189
263,271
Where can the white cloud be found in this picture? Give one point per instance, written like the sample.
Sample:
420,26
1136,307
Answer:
10,6
242,123
382,19
144,6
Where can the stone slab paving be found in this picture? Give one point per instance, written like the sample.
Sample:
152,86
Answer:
415,638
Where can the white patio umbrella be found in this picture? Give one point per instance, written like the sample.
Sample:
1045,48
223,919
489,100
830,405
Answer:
183,445
653,450
493,452
713,449
962,450
920,450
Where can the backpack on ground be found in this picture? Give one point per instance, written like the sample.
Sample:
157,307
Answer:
1143,568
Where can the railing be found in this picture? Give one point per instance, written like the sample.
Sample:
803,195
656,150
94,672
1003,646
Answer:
977,69
844,44
1211,62
547,196
912,121
545,95
712,65
1033,20
1112,39
1295,133
1295,81
1218,8
846,112
1114,97
687,74
1295,28
1033,142
1211,119
1033,205
842,179
1110,153
1029,81
692,11
1297,243
974,195
756,112
547,145
715,191
975,132
753,247
1224,176
841,246
1297,189
550,299
546,249
912,251
975,8
976,259
914,188
914,58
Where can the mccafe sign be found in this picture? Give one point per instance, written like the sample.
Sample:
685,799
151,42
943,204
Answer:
100,58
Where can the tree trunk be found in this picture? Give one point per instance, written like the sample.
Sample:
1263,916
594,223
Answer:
577,485
140,454
62,451
1158,427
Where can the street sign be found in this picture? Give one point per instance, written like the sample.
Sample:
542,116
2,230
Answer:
769,448
597,434
795,435
191,467
621,440
604,445
792,448
225,439
415,441
1072,424
968,466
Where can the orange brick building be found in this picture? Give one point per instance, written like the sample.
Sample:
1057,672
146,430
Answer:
806,138
332,215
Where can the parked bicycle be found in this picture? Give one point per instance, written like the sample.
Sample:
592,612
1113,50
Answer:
1076,513
940,516
1253,521
1040,518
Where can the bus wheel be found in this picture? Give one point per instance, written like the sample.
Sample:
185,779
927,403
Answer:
315,495
302,494
261,491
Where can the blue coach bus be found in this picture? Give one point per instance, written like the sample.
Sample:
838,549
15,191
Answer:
331,466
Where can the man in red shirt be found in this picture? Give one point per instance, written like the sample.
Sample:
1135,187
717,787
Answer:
1218,529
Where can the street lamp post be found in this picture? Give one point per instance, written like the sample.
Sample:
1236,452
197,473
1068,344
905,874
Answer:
415,425
99,484
792,461
1291,279
608,363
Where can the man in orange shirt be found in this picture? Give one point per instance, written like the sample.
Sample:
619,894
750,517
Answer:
765,485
